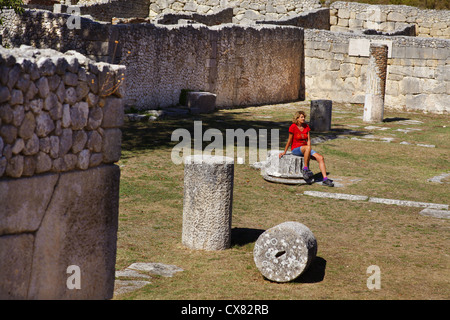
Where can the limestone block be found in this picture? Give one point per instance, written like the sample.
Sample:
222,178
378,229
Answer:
282,253
15,263
85,236
201,102
207,203
320,115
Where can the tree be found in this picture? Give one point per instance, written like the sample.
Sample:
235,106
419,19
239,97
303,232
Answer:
11,4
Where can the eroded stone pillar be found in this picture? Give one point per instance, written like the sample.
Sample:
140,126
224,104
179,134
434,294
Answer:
320,115
376,83
207,204
282,253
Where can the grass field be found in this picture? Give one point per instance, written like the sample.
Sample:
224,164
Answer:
410,249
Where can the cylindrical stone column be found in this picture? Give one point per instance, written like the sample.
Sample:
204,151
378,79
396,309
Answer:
289,166
376,83
207,203
320,115
282,253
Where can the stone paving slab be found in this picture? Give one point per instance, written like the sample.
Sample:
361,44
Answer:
409,203
439,178
427,205
435,213
342,196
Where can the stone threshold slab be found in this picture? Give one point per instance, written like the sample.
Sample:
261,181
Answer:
343,196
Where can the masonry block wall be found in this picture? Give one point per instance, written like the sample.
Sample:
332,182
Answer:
242,66
417,74
346,16
60,118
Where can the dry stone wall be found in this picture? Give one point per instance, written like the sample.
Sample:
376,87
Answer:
346,16
244,11
417,73
241,65
60,135
56,113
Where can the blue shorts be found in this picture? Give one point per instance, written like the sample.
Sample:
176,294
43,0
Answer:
298,152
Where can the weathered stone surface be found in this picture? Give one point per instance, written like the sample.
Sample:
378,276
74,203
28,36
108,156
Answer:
28,125
113,113
282,253
79,139
21,214
15,250
44,124
207,203
34,264
111,148
79,114
289,166
201,102
320,115
341,196
436,213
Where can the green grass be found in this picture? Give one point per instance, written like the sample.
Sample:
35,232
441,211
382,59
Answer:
411,249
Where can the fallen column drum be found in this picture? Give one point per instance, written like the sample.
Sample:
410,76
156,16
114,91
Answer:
282,253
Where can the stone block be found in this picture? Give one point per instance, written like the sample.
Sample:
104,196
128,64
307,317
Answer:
201,102
282,253
320,115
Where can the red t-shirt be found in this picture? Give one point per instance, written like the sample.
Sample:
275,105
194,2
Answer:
300,137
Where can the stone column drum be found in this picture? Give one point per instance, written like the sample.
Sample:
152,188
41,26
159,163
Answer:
207,203
320,115
376,83
282,253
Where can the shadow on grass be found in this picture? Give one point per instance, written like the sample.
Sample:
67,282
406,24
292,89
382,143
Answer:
314,273
140,137
395,119
243,236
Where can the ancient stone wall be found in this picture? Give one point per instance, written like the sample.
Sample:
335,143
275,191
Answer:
242,66
60,118
417,73
345,16
105,10
244,11
44,29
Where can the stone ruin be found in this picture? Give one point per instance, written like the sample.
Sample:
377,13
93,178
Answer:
284,252
251,52
60,118
60,114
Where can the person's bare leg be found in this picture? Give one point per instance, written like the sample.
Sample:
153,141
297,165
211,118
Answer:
319,158
306,150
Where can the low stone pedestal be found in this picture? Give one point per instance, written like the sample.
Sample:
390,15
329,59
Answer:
320,115
284,252
201,102
207,203
285,170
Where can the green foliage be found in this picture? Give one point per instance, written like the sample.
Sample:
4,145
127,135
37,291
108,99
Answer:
17,5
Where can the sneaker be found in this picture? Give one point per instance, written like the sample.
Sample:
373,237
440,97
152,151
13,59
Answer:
328,183
307,174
